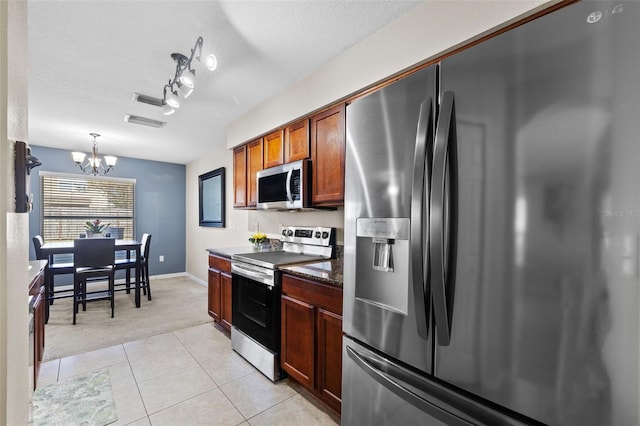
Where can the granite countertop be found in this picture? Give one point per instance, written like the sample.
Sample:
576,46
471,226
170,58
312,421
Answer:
326,272
35,266
229,251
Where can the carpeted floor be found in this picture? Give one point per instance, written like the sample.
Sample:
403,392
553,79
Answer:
176,303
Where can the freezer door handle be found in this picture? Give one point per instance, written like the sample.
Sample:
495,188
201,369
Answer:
420,214
389,376
430,396
443,218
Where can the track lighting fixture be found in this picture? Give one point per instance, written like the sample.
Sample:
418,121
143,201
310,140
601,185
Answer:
93,165
183,81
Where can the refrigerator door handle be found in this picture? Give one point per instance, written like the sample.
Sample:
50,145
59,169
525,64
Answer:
443,219
420,214
384,373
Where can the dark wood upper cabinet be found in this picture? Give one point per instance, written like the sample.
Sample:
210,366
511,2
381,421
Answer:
254,165
296,141
240,176
274,149
327,156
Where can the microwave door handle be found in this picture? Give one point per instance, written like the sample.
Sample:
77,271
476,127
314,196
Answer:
289,195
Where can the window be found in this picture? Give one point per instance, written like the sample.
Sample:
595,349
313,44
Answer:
68,201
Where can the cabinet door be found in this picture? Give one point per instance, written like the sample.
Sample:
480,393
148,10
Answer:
225,294
327,156
273,149
330,358
254,165
214,294
298,331
38,334
296,143
240,176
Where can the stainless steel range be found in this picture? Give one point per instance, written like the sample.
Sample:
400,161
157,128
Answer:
256,291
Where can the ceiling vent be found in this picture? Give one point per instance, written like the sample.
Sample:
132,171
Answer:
146,99
135,119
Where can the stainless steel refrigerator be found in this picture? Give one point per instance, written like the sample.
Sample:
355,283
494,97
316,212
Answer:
492,231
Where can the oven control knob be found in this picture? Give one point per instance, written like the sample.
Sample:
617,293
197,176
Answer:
317,234
325,234
289,233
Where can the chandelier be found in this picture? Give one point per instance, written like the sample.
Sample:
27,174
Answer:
183,80
93,165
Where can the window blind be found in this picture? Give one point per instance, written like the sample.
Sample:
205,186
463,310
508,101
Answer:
69,201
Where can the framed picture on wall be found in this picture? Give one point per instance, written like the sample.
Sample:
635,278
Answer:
211,191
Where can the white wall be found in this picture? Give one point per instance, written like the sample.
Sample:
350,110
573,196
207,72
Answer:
14,235
199,238
432,28
426,32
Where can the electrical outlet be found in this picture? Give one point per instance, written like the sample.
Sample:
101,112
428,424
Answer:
161,258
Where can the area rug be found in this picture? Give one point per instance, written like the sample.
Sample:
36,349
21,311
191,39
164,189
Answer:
176,303
81,400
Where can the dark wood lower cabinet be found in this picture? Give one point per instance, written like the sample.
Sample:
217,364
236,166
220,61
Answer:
37,289
311,349
219,290
214,294
330,357
298,343
225,303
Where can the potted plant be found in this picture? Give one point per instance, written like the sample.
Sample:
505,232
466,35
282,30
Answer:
258,238
95,228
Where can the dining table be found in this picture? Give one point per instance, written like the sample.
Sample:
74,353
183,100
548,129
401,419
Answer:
131,247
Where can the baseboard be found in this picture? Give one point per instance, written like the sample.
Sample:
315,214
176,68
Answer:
196,279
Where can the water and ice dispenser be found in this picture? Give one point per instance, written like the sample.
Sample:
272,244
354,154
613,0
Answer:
382,262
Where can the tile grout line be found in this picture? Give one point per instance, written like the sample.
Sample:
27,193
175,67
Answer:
137,386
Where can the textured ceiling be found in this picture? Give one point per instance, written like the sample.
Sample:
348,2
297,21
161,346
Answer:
87,59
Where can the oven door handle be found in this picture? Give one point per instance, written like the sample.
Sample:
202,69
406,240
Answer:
252,274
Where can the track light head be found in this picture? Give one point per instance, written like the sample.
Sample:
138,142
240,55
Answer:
172,99
188,78
184,78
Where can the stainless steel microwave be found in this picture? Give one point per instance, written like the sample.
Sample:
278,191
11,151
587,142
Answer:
285,187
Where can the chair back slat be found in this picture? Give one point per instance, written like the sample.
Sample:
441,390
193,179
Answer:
145,245
37,245
93,252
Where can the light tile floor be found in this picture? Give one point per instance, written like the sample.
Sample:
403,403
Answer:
191,377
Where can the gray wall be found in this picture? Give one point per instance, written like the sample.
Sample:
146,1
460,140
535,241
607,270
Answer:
159,203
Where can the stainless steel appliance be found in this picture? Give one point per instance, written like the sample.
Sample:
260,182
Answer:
256,291
285,187
492,234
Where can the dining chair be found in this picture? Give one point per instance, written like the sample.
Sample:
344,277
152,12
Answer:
116,232
131,264
52,269
93,258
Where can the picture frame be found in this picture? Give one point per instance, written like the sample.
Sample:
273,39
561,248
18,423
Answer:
211,188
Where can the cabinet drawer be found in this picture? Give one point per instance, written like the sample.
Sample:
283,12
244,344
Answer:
324,296
220,263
